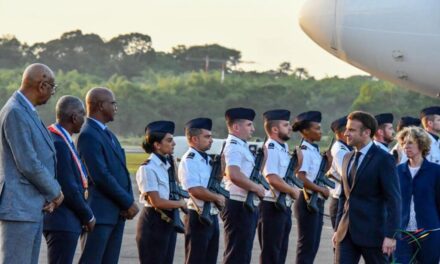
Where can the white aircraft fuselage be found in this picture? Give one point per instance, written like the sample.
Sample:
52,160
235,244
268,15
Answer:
394,40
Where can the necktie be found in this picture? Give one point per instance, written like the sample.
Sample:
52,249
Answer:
109,134
353,169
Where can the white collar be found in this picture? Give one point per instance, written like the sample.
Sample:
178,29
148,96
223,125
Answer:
239,141
155,159
100,124
364,150
27,101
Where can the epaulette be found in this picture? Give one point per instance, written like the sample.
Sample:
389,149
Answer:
344,147
233,141
304,147
146,162
190,155
271,145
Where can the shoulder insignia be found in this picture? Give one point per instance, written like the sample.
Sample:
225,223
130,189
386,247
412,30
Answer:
344,147
146,162
233,141
271,145
190,155
304,147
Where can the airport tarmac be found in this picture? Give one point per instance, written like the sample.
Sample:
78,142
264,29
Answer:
129,252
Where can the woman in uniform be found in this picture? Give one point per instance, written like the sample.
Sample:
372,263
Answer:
156,236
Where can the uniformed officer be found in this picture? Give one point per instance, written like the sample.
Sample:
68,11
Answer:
274,224
309,223
385,131
430,117
239,223
397,151
156,238
201,240
338,150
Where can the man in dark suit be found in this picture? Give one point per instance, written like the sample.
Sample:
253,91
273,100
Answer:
111,194
63,227
27,168
370,203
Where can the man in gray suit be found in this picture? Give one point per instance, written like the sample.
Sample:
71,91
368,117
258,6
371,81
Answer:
27,168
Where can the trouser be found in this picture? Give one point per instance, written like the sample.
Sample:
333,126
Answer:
240,226
347,252
156,239
61,246
201,240
333,210
273,233
309,230
103,245
20,241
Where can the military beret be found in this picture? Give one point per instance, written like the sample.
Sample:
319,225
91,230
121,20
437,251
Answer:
240,113
384,118
278,114
433,110
201,122
160,126
301,119
407,121
338,123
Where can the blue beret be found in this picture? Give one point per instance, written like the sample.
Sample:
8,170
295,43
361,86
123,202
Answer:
160,126
240,113
278,114
384,118
201,122
407,121
310,116
433,110
339,123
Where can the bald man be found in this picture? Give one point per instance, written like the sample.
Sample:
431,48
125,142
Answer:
28,185
111,194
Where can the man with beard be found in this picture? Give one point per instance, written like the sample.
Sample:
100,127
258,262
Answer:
430,117
275,223
385,131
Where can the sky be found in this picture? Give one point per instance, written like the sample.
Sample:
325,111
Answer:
266,32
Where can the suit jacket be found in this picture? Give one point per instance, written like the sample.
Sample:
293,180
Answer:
27,163
110,185
74,211
426,190
371,209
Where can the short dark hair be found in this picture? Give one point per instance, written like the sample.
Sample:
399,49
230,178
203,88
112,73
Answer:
192,132
367,120
150,138
300,126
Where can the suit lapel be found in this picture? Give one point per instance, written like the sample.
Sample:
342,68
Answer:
364,163
348,157
108,140
36,119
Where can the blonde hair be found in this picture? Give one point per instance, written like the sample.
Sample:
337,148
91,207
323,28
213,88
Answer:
416,135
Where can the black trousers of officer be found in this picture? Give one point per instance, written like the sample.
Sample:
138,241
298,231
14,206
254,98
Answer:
240,226
309,230
156,239
61,246
273,233
201,240
333,210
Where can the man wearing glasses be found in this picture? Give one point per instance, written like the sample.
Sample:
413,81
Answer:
28,185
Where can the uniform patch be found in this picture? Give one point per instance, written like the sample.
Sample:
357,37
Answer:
233,141
146,162
271,145
191,155
304,147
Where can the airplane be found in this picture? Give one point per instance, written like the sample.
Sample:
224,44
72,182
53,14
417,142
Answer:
393,40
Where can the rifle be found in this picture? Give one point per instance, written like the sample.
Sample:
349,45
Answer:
214,185
257,178
176,193
321,180
290,179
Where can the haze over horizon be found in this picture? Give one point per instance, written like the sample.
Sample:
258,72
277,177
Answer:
266,33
